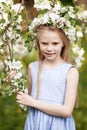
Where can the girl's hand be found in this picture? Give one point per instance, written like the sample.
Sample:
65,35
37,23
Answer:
25,99
11,74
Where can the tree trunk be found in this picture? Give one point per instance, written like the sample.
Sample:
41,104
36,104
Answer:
82,2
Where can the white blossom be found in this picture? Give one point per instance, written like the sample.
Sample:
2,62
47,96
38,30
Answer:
77,50
71,12
45,19
23,107
63,9
35,23
71,33
57,8
1,42
26,90
20,51
1,51
11,34
78,62
6,1
78,55
86,31
83,16
54,17
42,5
18,75
14,65
79,34
19,20
17,6
71,15
68,24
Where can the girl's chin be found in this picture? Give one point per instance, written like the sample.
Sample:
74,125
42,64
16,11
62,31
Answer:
50,58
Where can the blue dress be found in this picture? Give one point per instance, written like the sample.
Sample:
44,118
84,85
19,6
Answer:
52,90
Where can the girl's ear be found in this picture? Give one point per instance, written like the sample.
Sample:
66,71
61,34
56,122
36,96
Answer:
63,44
62,50
63,47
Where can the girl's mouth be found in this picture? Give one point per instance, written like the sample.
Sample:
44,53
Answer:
49,54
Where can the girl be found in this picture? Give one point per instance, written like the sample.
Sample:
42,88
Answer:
53,82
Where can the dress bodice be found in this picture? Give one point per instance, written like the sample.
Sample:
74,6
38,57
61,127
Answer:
52,83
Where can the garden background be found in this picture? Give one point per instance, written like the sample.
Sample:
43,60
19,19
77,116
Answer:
13,118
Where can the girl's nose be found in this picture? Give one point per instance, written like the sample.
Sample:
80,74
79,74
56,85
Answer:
49,48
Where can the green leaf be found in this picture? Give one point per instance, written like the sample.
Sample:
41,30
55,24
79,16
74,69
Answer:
25,36
4,4
2,21
67,16
73,22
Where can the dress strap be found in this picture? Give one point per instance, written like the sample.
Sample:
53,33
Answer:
69,66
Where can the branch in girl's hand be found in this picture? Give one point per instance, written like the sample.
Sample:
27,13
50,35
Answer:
14,80
15,76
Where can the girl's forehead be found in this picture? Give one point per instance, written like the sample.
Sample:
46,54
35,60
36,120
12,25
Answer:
50,36
48,33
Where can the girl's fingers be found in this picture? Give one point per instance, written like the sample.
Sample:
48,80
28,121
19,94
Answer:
18,97
18,101
19,93
11,74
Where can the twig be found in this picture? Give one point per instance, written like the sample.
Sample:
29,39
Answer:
54,1
22,3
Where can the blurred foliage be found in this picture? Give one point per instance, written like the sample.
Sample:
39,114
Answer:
69,2
80,113
11,116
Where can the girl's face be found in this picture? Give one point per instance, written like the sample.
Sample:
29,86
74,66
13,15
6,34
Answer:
50,45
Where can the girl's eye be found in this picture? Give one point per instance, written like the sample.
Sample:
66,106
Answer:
55,43
43,43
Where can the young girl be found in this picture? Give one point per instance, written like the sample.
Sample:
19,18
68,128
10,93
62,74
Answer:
53,82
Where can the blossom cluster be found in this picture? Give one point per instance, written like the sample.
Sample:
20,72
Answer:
56,15
78,53
16,85
12,48
42,5
10,26
83,16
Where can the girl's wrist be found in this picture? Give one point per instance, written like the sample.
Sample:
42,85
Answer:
34,102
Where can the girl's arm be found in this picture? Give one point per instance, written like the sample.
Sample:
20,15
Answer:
64,110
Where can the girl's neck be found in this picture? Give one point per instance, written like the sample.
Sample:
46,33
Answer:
49,63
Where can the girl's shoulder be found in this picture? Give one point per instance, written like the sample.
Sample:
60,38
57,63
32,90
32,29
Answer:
71,67
72,71
31,65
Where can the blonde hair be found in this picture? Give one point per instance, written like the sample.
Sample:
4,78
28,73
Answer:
65,53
